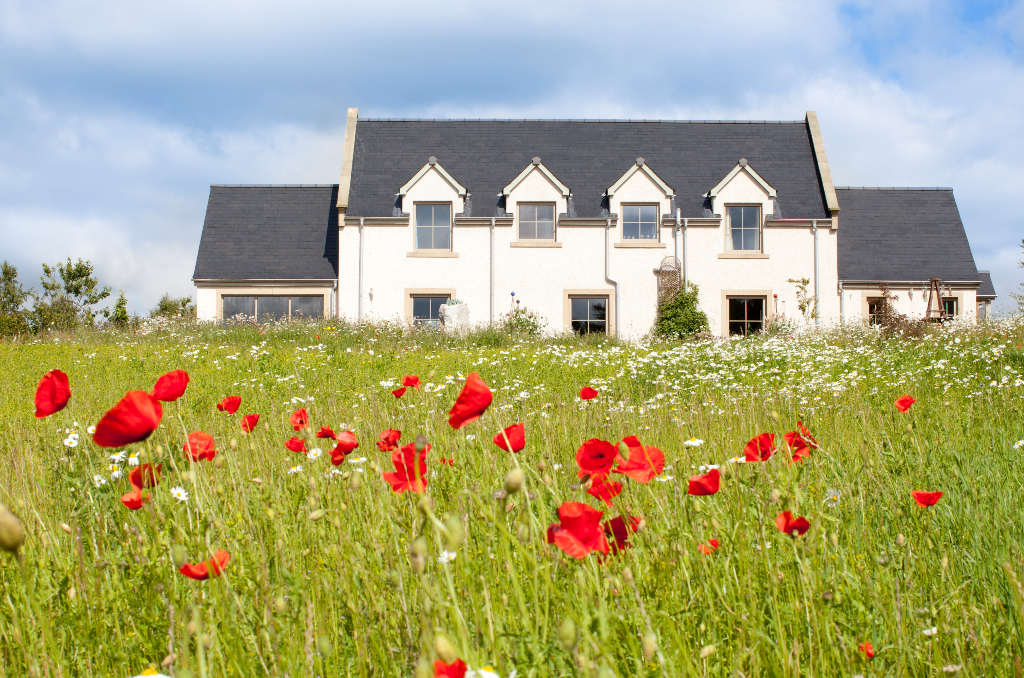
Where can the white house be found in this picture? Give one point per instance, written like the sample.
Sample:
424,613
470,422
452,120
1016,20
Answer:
577,218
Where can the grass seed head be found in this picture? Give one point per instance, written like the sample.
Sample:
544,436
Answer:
707,651
444,649
318,514
280,605
650,645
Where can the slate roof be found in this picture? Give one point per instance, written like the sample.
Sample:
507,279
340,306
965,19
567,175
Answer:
987,289
269,232
587,156
902,234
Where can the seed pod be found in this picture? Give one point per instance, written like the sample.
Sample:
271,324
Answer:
627,574
219,461
233,444
834,538
650,645
568,634
65,527
270,514
444,649
354,482
72,593
324,647
774,497
523,534
191,628
775,416
280,605
901,540
456,533
318,514
624,449
514,480
178,555
421,444
707,651
542,466
12,532
207,641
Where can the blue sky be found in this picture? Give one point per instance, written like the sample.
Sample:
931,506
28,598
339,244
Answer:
115,117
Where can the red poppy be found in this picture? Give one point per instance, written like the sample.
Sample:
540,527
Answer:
52,394
398,392
904,402
346,443
472,402
516,434
412,381
171,386
708,548
760,447
325,432
579,531
200,446
135,499
410,469
867,649
132,419
299,419
794,527
797,446
145,476
389,440
808,438
212,567
586,393
230,404
249,422
596,458
926,499
457,669
617,529
605,490
705,485
296,444
644,463
447,462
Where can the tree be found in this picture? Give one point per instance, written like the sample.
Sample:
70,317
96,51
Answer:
173,307
69,293
680,316
119,316
12,297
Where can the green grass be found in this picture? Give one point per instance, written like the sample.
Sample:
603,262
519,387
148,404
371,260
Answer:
339,596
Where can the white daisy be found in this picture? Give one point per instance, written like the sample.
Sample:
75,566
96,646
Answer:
133,459
179,493
118,458
91,430
832,497
471,437
738,460
931,632
115,471
71,440
693,442
295,469
706,468
1019,444
314,453
357,460
446,556
99,480
664,479
333,472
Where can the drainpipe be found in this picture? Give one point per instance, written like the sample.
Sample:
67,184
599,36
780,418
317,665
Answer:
359,308
842,304
817,309
607,264
492,270
685,250
675,236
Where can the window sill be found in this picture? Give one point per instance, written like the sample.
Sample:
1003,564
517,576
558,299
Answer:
432,254
534,243
742,255
641,245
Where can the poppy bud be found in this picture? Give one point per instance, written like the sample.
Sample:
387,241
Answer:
178,556
523,534
72,593
421,444
715,524
65,527
542,466
547,480
901,540
318,514
375,467
191,628
456,533
12,532
910,428
774,497
354,482
707,651
233,444
444,649
650,645
627,574
280,605
834,538
270,514
514,480
219,462
624,449
568,634
207,641
423,669
775,416
324,647
159,450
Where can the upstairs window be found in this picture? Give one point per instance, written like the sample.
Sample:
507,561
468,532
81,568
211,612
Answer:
536,222
744,228
639,222
434,227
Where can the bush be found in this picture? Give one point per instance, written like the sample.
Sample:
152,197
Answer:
680,317
174,307
522,322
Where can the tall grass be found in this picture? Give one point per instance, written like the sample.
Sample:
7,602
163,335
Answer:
95,592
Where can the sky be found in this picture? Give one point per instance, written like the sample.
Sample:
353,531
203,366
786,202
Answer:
116,117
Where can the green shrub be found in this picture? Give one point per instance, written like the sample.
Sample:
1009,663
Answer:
521,321
174,307
680,317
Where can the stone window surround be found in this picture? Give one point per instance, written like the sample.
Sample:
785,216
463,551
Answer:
536,242
768,311
411,292
607,293
270,291
433,252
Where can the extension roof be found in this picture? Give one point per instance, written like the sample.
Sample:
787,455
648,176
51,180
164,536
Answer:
987,289
587,156
270,233
902,234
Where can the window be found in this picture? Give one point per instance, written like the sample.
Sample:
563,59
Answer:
746,315
876,308
536,222
949,306
589,315
639,222
744,227
433,227
274,307
425,310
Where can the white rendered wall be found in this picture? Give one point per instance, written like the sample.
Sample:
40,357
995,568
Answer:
206,303
640,189
535,188
910,301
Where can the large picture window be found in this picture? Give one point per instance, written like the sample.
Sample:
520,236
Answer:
589,315
746,315
537,222
433,227
744,227
639,222
426,310
273,307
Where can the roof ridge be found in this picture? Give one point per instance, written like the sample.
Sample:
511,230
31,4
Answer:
274,185
894,188
700,122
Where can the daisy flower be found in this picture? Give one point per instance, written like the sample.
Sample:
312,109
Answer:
357,460
931,632
115,471
133,459
446,556
91,430
314,453
118,458
1019,444
71,440
179,493
738,460
693,442
832,497
295,469
99,480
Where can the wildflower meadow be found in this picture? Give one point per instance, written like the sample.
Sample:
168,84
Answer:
364,500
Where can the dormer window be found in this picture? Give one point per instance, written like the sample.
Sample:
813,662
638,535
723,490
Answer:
536,221
743,227
433,226
639,222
